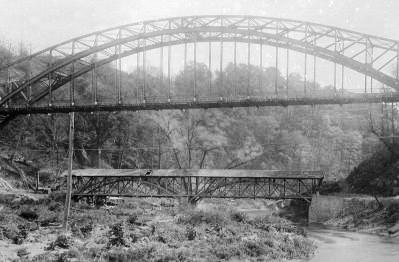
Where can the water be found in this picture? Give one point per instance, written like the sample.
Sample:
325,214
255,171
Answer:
340,246
334,245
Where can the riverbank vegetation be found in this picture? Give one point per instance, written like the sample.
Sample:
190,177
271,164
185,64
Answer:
366,215
147,230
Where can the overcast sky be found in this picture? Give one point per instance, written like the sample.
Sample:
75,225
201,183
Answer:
41,23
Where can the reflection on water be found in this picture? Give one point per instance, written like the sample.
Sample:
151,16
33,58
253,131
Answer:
340,246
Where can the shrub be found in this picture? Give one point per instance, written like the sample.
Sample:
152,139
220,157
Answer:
303,246
166,254
268,223
63,257
22,252
62,241
49,218
296,247
54,206
116,236
253,248
226,251
170,233
190,233
132,219
82,228
239,217
87,229
93,253
21,235
196,217
10,231
71,255
142,253
29,215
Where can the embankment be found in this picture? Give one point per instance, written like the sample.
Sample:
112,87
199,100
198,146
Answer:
356,213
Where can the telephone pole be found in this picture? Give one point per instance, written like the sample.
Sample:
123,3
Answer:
69,177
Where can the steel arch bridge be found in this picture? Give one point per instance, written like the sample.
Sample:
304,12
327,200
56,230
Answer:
34,91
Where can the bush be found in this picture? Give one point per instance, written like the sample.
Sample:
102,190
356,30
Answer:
22,252
21,235
170,233
54,206
254,248
29,215
70,255
239,217
196,217
142,253
296,247
191,233
86,229
268,223
116,236
62,241
226,251
82,228
11,231
63,257
48,219
132,219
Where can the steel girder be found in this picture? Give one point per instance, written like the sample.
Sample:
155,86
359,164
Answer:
64,62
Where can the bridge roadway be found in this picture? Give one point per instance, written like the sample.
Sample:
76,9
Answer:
195,183
163,103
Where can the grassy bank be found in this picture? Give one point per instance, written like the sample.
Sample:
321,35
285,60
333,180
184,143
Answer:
369,217
146,230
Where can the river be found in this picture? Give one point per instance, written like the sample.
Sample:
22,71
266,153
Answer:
335,245
341,246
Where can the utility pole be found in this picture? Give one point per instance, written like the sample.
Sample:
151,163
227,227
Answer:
159,149
69,177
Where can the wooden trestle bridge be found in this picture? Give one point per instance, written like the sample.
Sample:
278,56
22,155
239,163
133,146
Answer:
195,183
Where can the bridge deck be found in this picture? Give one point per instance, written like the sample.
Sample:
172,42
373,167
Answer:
161,103
211,173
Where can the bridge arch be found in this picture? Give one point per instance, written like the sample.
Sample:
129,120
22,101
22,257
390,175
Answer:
64,62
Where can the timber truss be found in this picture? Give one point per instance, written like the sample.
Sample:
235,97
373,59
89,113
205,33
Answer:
195,184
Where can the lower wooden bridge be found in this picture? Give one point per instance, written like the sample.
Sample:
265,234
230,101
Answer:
195,183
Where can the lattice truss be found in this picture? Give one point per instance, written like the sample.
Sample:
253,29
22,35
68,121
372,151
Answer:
373,56
196,187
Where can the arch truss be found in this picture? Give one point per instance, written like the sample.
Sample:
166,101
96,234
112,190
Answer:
30,82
